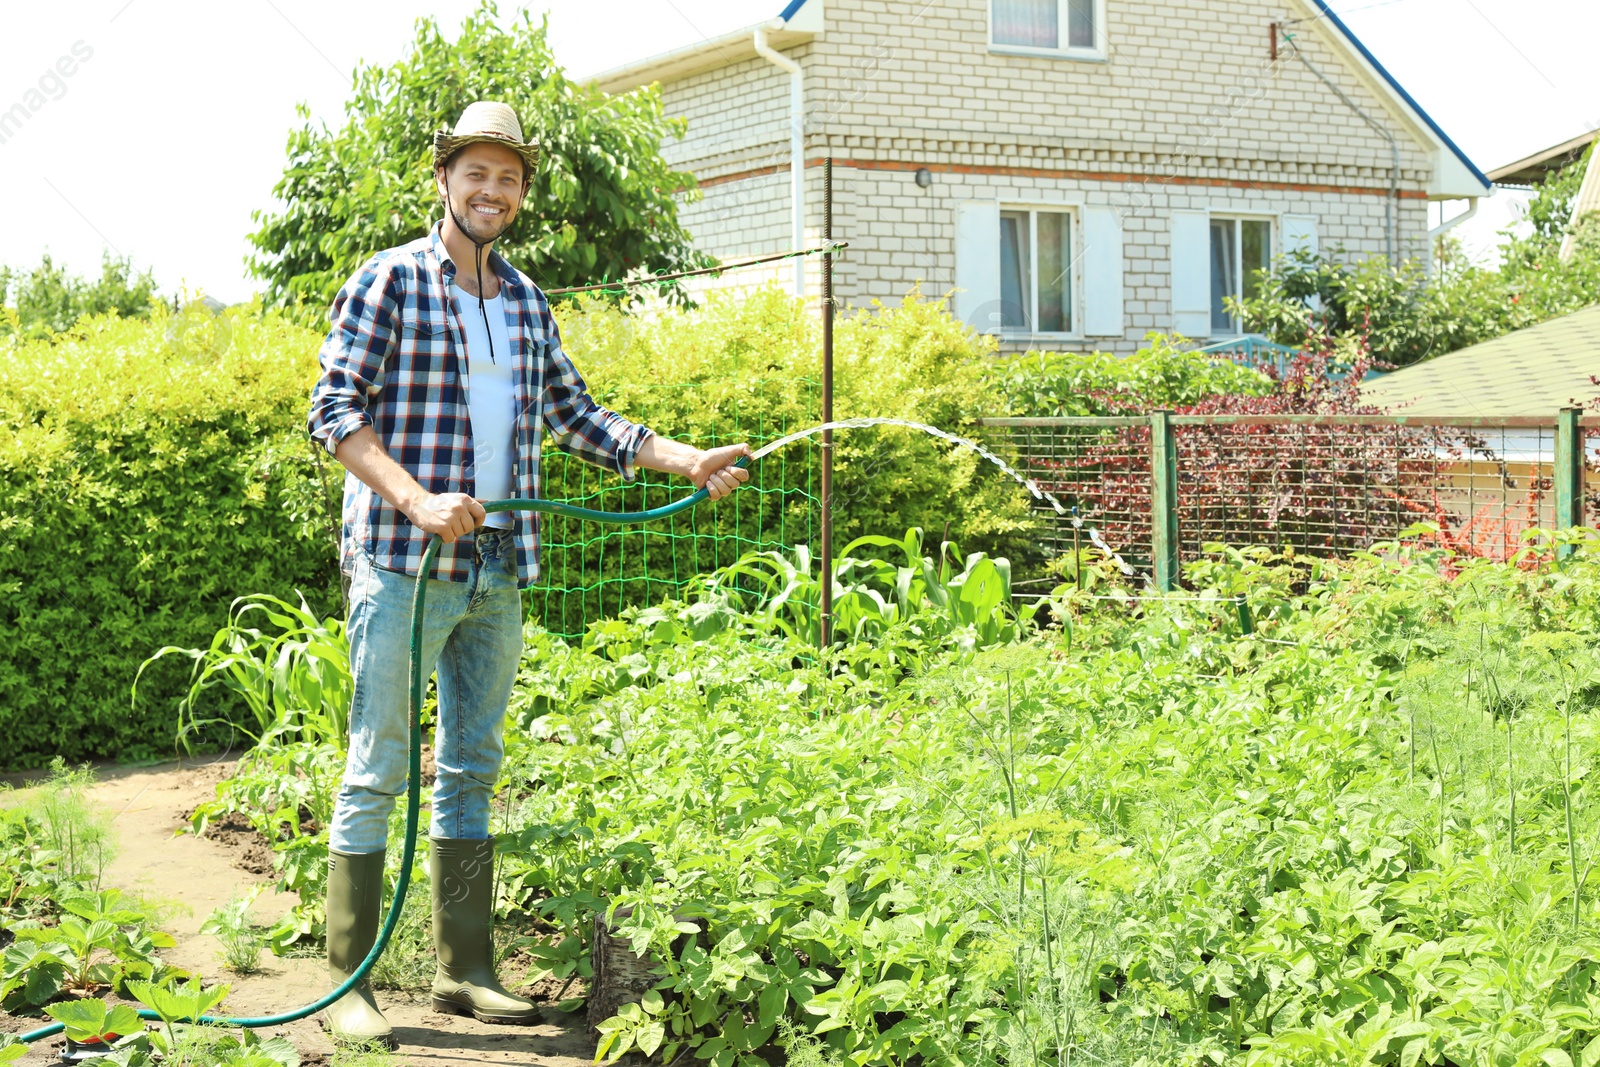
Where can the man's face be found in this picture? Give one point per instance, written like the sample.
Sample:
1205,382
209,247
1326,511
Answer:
485,187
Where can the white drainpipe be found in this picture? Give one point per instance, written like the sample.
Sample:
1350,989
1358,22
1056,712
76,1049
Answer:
1449,224
1446,225
797,150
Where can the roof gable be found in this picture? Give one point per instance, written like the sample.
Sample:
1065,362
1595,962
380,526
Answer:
1399,91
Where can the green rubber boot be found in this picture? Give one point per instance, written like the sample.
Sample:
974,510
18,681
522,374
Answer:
462,872
355,896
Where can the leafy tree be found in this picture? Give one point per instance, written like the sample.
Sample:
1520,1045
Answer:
1407,316
48,300
602,203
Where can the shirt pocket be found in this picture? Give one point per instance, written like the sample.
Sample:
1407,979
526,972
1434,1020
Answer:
424,356
426,327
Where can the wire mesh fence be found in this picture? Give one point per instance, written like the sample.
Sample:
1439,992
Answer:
589,571
1329,486
1099,470
1323,485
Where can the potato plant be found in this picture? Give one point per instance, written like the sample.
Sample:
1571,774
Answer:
1363,833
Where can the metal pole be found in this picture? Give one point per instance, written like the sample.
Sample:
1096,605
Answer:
1568,474
1163,501
826,607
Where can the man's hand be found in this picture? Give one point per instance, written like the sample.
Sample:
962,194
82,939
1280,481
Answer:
450,515
713,470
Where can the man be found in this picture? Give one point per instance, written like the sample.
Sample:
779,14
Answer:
440,373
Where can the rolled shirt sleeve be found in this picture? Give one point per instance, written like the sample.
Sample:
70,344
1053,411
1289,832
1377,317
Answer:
362,330
581,427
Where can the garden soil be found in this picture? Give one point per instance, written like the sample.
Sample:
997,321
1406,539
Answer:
183,878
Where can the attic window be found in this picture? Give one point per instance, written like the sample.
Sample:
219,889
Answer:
1047,27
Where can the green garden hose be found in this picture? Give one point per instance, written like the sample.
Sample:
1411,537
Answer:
414,776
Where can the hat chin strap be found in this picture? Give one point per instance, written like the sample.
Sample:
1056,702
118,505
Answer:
478,246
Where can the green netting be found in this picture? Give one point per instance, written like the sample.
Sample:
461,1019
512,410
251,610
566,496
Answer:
590,571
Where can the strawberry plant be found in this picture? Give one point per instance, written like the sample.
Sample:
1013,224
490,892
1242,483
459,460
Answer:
97,943
93,1021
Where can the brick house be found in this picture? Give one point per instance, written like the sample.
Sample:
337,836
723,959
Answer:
1079,171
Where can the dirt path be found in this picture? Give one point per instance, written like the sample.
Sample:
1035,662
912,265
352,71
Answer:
185,877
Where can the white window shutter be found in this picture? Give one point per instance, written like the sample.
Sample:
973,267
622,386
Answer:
1300,231
1191,273
977,298
1102,272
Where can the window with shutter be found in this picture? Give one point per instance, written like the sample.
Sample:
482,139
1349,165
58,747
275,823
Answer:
1036,263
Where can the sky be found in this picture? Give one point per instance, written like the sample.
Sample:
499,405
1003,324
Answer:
163,122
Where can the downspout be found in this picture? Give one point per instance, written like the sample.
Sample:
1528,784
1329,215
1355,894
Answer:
797,150
1394,147
1447,225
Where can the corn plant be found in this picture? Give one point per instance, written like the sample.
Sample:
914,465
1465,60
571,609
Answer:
293,678
970,599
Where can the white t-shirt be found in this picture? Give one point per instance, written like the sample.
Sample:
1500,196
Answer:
491,399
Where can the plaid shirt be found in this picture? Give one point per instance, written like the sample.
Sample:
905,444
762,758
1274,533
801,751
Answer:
395,359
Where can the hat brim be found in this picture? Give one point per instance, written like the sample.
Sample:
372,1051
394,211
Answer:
446,145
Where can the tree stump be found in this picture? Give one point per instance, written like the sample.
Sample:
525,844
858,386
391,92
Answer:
621,976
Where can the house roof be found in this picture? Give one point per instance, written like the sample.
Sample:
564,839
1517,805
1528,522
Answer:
1539,166
1443,185
1533,371
736,46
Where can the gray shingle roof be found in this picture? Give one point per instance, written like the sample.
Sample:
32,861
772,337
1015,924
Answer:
1533,371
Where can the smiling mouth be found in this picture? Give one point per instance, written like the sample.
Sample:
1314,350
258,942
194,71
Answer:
488,212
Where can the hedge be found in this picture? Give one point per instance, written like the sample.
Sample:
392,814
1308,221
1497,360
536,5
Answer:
150,472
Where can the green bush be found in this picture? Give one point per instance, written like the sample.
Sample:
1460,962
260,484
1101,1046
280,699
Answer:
150,472
153,471
1160,375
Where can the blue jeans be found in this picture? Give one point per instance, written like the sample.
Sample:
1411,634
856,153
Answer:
472,631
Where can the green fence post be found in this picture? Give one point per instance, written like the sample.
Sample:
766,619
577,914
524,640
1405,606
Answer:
1163,501
1569,474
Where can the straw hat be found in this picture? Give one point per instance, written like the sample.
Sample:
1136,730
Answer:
486,122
